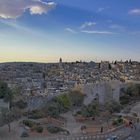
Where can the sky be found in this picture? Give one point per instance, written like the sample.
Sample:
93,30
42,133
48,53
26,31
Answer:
87,30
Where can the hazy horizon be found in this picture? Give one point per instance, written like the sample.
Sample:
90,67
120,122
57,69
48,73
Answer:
64,61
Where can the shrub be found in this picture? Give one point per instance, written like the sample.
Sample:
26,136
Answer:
117,121
24,134
114,122
125,99
135,114
28,123
52,109
64,101
130,94
39,129
53,129
90,110
76,98
113,107
78,113
21,104
36,114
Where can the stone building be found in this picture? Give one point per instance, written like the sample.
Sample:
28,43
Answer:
105,91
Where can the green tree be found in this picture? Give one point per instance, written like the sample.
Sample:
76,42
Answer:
64,101
76,98
6,93
52,109
3,89
133,90
131,93
113,107
21,104
90,110
6,117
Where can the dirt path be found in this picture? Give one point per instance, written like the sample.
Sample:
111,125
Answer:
72,126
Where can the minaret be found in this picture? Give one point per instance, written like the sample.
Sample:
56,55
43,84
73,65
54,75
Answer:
60,62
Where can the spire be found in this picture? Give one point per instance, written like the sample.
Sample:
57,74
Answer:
60,60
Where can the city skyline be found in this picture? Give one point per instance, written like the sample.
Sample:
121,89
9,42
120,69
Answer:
44,31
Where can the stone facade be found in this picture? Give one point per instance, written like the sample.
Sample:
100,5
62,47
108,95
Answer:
102,91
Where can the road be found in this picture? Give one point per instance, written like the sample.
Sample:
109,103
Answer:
71,125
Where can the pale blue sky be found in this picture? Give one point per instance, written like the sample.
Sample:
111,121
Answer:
85,30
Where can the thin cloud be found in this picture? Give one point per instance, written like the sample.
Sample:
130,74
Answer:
87,24
135,11
12,9
21,28
117,27
70,30
98,32
102,9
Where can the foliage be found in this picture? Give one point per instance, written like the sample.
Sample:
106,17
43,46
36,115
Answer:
6,117
17,112
21,104
90,110
36,114
3,89
24,134
113,107
28,123
79,112
17,91
135,114
132,90
52,109
55,129
117,121
39,129
64,101
125,99
5,92
130,94
76,98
